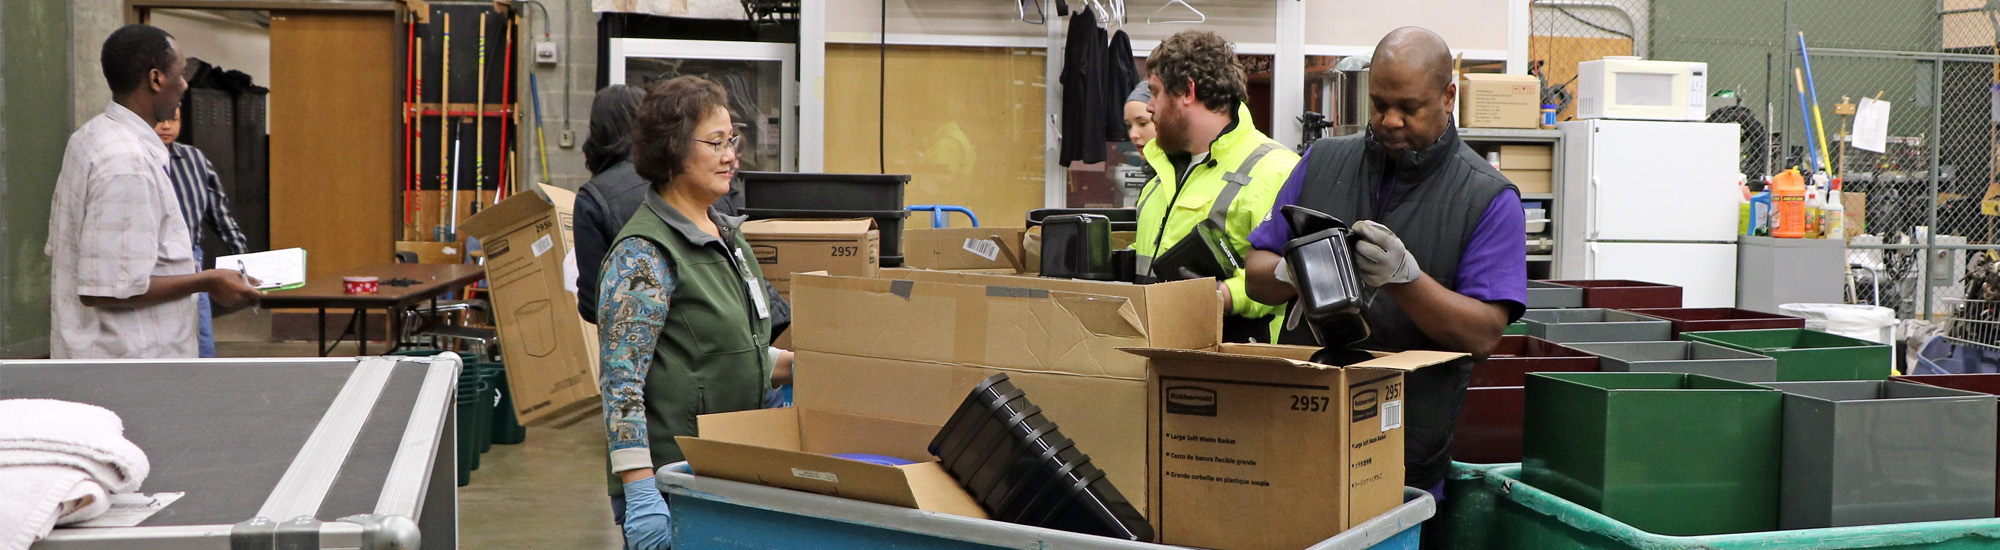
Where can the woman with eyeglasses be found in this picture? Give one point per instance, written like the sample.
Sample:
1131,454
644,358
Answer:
685,322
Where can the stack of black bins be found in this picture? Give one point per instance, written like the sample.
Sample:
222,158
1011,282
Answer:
1022,470
768,195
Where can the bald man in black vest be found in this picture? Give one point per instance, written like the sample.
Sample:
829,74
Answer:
1443,250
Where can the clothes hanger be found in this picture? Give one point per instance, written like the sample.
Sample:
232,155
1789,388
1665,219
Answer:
1199,17
1103,15
1021,9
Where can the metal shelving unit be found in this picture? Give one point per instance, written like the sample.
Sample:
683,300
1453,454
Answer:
1544,265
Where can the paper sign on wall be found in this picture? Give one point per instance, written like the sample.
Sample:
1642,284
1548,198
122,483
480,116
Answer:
1871,125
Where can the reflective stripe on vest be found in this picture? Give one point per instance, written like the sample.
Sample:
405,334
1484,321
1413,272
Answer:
1218,212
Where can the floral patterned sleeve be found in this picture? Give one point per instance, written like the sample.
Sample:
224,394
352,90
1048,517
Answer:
633,299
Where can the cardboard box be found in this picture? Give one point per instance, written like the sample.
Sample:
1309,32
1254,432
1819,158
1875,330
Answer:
789,448
1488,100
1531,181
434,253
1253,439
551,353
1855,206
962,248
1527,157
839,247
909,347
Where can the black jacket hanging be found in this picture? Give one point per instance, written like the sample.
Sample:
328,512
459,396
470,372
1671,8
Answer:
1121,77
1083,111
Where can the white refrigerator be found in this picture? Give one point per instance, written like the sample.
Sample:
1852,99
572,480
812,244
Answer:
1651,201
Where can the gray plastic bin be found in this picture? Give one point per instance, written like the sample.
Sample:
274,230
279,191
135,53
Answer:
1682,357
1547,295
1870,452
1595,325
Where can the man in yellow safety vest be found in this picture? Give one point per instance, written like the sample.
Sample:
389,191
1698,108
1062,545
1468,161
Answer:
1212,163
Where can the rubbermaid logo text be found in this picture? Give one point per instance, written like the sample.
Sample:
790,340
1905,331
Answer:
766,254
1191,400
1366,404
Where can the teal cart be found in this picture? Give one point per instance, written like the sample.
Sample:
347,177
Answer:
1487,506
713,513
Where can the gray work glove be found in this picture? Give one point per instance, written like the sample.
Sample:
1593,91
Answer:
1380,257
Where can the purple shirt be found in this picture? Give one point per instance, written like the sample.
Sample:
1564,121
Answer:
1493,267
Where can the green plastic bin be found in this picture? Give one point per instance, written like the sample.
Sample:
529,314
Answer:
489,394
1680,454
507,429
467,445
475,402
1488,507
1808,355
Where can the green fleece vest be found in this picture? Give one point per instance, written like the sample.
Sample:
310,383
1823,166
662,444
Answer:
710,357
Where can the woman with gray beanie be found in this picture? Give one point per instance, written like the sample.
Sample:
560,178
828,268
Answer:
614,192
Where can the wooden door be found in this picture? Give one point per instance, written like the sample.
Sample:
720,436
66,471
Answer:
335,88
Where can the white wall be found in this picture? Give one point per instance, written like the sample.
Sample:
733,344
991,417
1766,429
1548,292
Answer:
1465,24
228,43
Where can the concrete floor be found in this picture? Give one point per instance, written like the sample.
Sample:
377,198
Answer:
546,493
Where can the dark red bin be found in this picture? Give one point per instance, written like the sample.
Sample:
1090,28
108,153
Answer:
1982,383
1720,318
1516,356
1624,294
1489,424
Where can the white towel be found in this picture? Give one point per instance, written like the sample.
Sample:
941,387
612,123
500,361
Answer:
59,463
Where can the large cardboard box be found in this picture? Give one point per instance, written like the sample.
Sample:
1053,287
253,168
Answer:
1499,101
1527,157
1531,181
1259,449
839,247
551,353
962,247
789,448
910,345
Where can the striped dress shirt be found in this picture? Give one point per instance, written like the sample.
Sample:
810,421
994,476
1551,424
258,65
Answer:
202,199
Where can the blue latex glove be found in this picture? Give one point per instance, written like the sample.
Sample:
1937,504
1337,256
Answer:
648,525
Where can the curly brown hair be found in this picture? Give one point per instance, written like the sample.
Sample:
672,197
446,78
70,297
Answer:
1205,59
663,135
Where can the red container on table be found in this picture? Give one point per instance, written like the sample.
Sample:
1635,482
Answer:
1624,294
1489,424
1981,383
1720,318
360,285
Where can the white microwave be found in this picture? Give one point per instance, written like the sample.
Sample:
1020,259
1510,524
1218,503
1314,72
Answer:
1638,89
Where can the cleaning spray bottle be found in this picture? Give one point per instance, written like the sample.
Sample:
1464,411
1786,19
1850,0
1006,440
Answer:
1813,204
1834,216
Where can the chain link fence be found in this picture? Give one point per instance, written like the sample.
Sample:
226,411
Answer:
1926,203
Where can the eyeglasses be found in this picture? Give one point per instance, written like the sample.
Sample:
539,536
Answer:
725,145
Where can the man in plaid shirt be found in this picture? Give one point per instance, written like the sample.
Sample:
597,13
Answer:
122,269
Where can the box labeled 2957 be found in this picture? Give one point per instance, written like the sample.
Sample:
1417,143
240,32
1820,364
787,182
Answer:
1257,448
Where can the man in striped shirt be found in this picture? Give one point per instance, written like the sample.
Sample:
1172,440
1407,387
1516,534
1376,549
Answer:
202,204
